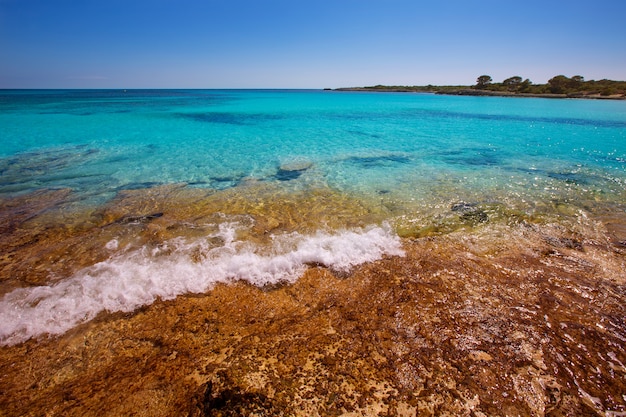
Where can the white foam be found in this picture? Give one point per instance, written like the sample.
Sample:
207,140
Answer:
112,244
130,280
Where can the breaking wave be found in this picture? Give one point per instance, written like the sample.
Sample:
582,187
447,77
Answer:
129,280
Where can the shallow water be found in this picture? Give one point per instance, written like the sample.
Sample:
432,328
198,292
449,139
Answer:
424,254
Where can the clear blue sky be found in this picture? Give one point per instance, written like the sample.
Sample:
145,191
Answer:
305,43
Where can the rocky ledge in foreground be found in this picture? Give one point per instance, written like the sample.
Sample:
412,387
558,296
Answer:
528,320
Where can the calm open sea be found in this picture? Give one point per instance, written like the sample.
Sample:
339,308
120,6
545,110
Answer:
152,194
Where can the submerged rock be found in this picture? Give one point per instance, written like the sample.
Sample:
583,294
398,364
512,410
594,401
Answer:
471,213
139,219
283,175
296,166
464,207
292,170
475,217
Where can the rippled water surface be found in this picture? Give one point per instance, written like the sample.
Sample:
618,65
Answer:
311,253
100,142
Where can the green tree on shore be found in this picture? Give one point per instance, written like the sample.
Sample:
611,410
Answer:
563,86
524,86
512,83
558,84
483,81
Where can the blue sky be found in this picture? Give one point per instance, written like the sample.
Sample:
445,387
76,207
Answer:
305,43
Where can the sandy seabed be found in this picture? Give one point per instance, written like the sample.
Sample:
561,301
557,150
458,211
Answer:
489,313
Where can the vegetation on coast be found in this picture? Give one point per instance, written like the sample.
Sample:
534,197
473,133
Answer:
559,86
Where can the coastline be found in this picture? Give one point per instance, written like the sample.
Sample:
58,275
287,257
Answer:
468,91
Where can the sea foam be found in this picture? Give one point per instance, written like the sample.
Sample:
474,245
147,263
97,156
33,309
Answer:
132,279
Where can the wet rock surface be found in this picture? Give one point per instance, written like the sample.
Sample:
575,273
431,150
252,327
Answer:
503,318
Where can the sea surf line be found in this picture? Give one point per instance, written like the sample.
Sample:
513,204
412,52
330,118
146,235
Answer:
128,281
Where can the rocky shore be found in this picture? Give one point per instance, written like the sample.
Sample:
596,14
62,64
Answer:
468,91
497,315
475,92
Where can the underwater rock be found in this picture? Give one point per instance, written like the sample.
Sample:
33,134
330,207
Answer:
283,175
463,207
133,186
475,217
470,213
578,178
248,181
379,160
296,166
139,219
292,170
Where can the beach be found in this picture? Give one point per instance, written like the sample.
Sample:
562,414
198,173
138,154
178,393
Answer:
312,254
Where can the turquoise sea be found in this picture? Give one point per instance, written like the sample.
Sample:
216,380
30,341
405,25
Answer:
405,161
411,146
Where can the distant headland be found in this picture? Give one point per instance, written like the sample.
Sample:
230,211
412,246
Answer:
559,86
